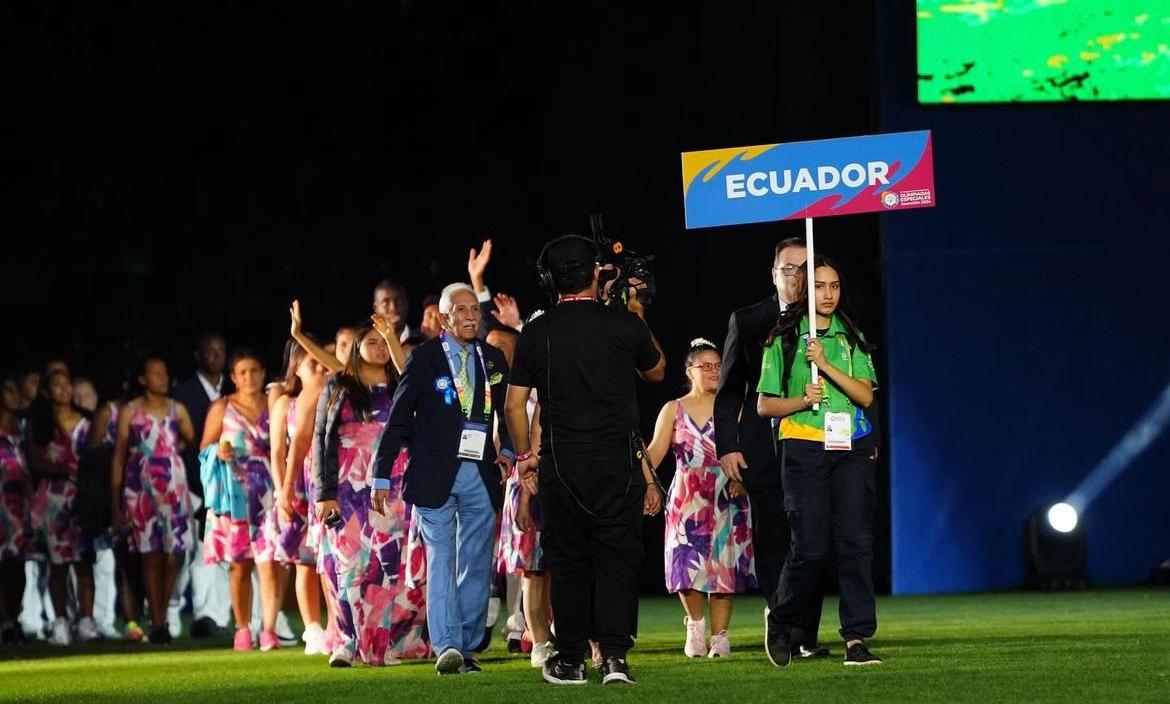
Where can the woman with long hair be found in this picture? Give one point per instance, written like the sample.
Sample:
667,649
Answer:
15,488
149,485
236,434
298,526
58,431
708,547
828,471
376,576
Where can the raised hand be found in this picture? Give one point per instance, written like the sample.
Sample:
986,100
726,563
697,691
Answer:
507,312
383,326
477,263
294,312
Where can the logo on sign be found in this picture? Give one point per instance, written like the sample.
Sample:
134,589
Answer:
890,199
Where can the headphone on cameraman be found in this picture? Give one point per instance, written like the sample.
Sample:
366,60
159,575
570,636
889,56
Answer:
542,271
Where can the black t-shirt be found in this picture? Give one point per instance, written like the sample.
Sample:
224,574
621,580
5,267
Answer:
583,358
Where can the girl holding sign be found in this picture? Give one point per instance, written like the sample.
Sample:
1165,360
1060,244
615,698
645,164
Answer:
829,456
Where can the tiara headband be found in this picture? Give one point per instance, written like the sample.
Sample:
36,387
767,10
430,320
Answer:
702,342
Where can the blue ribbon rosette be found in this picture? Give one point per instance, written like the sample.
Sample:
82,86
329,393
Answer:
445,386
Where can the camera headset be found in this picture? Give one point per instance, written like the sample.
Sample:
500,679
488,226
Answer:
545,273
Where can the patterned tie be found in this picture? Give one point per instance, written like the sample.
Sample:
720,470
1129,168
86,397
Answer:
464,382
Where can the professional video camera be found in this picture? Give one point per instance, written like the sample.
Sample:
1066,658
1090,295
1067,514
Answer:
621,268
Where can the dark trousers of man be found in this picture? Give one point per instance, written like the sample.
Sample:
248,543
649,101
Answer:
830,497
594,555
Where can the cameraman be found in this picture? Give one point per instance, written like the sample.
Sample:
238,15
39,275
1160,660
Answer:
582,358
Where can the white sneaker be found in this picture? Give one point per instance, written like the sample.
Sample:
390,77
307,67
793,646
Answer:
720,646
60,633
541,652
696,646
449,662
284,632
87,630
341,657
314,637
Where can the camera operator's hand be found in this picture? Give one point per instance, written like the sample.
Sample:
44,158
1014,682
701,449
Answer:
652,504
529,476
324,508
633,304
733,463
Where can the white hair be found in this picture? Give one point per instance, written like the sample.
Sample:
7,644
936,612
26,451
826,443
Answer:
445,298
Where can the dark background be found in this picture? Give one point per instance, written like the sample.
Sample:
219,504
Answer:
179,168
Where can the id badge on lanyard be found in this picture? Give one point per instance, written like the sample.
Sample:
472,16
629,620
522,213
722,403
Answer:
473,440
838,431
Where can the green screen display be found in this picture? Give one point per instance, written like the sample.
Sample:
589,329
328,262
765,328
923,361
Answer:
979,51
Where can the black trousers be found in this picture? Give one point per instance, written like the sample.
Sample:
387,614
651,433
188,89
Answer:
591,504
830,497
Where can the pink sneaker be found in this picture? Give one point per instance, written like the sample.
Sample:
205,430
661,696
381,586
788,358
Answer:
243,640
720,646
268,641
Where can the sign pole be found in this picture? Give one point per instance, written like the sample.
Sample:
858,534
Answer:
811,293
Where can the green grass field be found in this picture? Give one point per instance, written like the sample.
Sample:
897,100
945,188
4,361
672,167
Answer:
1086,647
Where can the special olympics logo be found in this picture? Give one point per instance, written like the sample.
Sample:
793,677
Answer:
890,199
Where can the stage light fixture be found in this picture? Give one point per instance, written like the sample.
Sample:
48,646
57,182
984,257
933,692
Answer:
1062,517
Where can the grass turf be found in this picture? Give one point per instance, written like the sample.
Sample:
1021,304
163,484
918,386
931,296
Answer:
1091,646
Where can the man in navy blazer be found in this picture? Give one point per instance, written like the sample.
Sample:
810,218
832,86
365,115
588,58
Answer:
448,398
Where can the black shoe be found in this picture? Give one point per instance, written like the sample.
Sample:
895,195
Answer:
204,627
514,646
616,671
776,643
858,654
159,636
813,652
557,671
19,631
470,667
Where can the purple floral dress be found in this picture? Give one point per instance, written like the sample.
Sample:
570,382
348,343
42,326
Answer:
253,538
708,533
298,538
155,493
54,519
15,529
517,551
375,564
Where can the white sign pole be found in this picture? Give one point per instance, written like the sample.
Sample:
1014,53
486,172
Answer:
811,292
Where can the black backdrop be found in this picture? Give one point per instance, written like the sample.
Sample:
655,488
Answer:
175,169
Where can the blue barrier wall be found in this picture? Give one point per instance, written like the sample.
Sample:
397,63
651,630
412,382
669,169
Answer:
1027,329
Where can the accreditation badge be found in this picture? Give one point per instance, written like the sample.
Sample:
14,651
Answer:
473,440
838,431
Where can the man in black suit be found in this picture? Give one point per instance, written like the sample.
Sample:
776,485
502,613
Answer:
210,601
449,395
746,443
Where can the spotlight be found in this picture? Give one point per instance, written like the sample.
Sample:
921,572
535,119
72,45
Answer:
1054,543
1063,518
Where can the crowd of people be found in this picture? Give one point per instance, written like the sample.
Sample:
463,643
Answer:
403,483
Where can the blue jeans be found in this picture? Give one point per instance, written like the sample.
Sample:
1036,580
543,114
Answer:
459,536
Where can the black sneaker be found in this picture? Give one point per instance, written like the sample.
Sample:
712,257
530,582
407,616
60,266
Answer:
159,636
514,646
813,653
616,671
204,627
858,654
776,643
557,671
470,667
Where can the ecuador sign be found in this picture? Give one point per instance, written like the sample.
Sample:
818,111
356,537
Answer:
808,179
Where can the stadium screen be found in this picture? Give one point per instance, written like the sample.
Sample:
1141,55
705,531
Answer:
978,51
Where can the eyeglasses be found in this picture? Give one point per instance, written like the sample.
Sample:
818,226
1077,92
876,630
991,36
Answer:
707,366
788,269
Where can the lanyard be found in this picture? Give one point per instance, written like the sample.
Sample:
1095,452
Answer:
487,389
569,299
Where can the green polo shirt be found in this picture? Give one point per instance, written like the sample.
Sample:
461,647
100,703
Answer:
809,424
